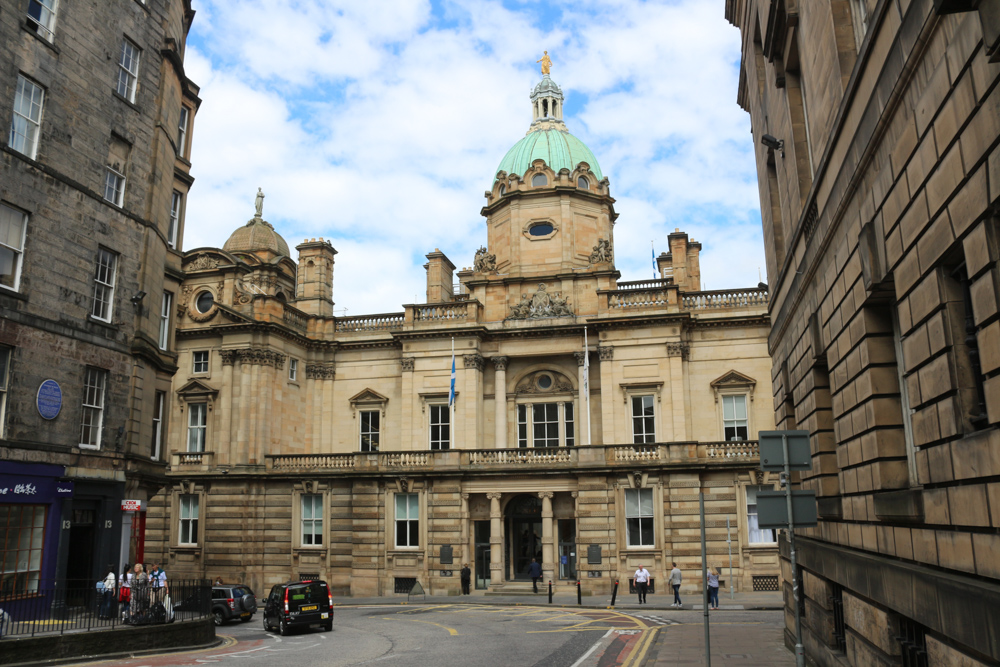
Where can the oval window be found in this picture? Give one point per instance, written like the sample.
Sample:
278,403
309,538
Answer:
544,381
583,183
539,180
541,229
204,302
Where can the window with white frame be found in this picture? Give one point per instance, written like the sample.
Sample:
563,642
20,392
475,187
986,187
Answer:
859,13
22,543
158,403
197,425
440,423
545,424
95,381
128,69
312,520
168,300
13,224
293,370
187,526
176,202
27,119
199,361
42,18
756,534
104,284
5,354
643,420
369,430
639,517
114,186
407,520
182,128
734,417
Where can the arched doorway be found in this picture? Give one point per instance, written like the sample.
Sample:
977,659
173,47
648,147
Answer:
523,525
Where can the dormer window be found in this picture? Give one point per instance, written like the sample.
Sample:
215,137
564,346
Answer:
539,180
583,183
503,189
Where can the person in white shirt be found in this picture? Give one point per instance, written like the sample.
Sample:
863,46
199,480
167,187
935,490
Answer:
642,583
675,583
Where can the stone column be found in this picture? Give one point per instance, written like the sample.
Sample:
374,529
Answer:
548,551
496,539
241,407
582,413
468,551
608,395
223,453
500,402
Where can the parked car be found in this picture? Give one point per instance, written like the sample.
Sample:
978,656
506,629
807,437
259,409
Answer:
231,601
298,604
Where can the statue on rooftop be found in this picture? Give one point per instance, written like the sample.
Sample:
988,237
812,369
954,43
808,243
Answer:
259,203
546,63
485,261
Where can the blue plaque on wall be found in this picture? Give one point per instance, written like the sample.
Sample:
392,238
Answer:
49,399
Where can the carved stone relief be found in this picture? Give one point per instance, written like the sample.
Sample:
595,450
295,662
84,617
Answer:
540,304
485,261
603,253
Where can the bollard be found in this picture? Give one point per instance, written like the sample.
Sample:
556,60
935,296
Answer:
550,591
614,593
579,594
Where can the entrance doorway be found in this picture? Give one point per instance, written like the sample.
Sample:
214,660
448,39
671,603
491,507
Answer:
482,557
567,549
524,535
80,575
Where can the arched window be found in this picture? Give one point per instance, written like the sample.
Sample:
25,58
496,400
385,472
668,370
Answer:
503,189
583,183
539,180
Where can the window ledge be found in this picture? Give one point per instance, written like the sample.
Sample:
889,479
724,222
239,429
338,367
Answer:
13,294
761,545
135,107
30,29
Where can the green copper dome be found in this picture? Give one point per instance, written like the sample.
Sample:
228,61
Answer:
557,147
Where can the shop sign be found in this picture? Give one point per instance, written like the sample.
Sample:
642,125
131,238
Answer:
30,489
133,506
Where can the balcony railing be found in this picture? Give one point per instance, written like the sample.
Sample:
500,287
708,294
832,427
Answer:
728,298
597,456
192,460
380,322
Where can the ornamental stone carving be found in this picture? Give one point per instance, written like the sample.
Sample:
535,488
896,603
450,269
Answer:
494,495
545,494
406,363
485,261
241,295
603,252
325,371
474,361
581,357
678,350
607,352
257,356
530,384
229,357
500,363
540,304
203,263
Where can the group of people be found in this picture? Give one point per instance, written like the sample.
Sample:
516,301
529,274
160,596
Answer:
136,590
642,585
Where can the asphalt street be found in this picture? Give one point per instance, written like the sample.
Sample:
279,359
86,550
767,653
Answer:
451,634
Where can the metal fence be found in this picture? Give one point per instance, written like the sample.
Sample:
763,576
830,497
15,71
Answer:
59,607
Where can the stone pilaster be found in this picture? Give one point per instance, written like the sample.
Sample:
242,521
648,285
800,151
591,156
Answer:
500,402
548,551
496,539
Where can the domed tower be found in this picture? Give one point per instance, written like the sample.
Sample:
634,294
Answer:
549,211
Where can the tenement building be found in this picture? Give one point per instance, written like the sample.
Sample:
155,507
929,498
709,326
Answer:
586,417
97,115
876,126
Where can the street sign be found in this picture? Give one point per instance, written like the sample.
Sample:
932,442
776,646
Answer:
772,453
772,509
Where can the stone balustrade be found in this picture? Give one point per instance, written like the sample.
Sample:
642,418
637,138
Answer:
728,298
295,318
631,299
463,311
657,283
192,461
734,449
380,322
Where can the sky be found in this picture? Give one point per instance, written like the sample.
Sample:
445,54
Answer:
378,125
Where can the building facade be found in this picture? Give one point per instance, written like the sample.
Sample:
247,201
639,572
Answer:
94,160
876,126
584,418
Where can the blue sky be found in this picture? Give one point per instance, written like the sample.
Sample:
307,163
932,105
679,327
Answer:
379,125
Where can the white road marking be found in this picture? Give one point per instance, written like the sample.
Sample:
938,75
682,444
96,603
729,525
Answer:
592,649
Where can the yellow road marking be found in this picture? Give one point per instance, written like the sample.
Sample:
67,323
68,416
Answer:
452,631
573,629
636,656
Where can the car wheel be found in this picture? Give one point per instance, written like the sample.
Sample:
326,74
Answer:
282,628
267,628
219,618
248,618
328,627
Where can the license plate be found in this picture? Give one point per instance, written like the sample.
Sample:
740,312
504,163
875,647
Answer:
312,607
324,615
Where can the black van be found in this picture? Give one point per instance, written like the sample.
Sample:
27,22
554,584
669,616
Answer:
299,604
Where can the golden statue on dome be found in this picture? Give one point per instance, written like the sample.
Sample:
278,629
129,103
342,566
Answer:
546,63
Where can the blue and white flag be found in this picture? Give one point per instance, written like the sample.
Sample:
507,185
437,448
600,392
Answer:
655,267
451,392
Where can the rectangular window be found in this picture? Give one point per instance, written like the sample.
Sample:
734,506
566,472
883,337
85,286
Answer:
176,202
639,517
13,224
545,424
540,424
200,358
24,129
5,353
369,430
568,418
128,70
407,520
522,425
94,383
293,369
104,284
22,542
734,417
158,403
182,128
757,535
168,300
114,186
42,18
440,427
312,520
197,424
643,428
188,525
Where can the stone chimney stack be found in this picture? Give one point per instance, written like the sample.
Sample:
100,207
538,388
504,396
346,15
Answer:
683,262
440,272
314,278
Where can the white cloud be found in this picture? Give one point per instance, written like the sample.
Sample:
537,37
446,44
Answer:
379,125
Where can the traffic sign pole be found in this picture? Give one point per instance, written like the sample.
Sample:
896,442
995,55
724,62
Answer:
800,657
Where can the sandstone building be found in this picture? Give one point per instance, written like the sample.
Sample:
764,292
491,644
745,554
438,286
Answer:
876,126
97,115
588,413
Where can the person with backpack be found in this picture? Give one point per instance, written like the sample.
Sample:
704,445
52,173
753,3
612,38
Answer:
109,588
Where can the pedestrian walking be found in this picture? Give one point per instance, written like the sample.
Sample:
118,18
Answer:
641,583
466,577
535,571
139,602
108,596
675,583
713,588
125,590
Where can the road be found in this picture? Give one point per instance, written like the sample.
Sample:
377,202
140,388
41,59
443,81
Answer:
467,635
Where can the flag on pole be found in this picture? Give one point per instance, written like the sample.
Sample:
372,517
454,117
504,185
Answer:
451,392
655,267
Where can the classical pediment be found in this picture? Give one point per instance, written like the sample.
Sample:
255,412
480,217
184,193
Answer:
733,379
368,396
197,389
